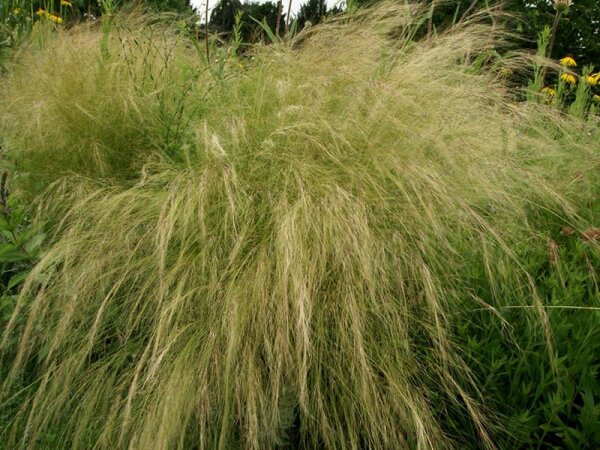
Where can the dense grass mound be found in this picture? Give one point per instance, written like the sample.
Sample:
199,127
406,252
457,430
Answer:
257,257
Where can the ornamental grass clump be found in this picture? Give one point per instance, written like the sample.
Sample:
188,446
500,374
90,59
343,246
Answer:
280,270
97,103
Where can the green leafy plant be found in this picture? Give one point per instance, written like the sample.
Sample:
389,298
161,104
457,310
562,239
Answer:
19,242
20,245
544,399
537,84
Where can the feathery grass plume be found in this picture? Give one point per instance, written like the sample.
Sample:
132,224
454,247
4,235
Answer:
282,269
76,109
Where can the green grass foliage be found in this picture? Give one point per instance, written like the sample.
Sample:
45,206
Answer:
328,244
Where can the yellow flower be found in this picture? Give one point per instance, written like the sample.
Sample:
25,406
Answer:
53,18
591,80
568,78
568,61
550,92
65,3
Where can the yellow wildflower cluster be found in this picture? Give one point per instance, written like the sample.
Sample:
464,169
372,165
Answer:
51,17
65,3
568,61
568,79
